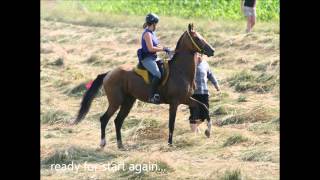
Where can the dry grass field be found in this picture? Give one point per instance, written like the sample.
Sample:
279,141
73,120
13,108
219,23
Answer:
76,46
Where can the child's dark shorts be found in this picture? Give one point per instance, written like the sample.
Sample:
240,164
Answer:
197,113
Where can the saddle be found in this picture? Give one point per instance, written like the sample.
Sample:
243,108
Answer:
147,76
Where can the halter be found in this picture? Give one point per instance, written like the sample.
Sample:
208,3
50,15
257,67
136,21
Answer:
195,44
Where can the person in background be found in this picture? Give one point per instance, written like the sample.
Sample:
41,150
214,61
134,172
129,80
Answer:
248,7
201,92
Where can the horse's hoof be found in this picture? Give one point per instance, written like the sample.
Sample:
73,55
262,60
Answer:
73,122
102,143
170,144
121,147
207,133
99,149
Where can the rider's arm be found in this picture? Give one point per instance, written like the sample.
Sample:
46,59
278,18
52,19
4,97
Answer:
147,37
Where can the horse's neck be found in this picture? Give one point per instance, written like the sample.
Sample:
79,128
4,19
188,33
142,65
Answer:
184,62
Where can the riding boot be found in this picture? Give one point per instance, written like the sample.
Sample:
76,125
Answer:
154,96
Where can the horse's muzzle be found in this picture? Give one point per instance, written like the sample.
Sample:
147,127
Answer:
209,51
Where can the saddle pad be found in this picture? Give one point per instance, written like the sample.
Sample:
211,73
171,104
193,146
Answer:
145,74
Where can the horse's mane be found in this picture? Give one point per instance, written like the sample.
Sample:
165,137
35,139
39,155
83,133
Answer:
179,41
178,44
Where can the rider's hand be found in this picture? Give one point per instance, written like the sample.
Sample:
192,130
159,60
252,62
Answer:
167,50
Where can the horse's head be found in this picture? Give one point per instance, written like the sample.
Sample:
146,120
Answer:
193,41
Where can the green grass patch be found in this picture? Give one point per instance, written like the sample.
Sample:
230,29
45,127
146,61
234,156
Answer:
92,59
61,83
150,123
58,62
243,76
142,128
130,122
242,98
257,114
243,86
76,155
137,169
256,155
164,166
231,120
231,175
260,67
183,142
234,139
77,91
46,51
246,80
148,129
45,78
73,74
80,89
96,60
49,135
266,127
132,174
67,130
54,116
219,98
221,110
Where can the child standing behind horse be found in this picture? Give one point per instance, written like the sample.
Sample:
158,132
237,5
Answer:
201,93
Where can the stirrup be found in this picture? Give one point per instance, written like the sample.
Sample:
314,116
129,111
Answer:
155,99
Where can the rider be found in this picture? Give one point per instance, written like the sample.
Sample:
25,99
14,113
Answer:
150,47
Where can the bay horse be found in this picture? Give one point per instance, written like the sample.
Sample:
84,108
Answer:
123,86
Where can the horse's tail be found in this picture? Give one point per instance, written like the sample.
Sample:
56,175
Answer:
88,97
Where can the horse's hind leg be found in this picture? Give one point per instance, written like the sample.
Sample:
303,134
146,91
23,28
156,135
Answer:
104,121
123,113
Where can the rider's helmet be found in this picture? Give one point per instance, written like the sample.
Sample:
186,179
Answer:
152,18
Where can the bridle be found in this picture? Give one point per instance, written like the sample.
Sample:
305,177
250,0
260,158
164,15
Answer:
201,50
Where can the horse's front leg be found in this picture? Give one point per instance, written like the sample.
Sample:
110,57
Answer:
172,117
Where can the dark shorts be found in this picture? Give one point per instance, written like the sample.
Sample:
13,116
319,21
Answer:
197,113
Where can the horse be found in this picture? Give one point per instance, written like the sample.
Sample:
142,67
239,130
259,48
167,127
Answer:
123,86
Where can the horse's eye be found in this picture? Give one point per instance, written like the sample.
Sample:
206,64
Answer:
197,38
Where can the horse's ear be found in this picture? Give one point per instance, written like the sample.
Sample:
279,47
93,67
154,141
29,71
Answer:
190,27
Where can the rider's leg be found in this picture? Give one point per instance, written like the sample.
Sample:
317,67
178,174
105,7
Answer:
150,64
